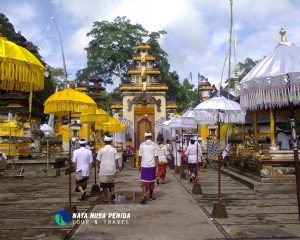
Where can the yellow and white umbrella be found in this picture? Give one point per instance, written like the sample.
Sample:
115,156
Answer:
66,102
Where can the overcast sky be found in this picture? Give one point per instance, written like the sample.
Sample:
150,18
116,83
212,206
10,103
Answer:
197,30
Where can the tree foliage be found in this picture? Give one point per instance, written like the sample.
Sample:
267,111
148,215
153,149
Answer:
110,49
185,93
244,67
54,80
247,66
109,53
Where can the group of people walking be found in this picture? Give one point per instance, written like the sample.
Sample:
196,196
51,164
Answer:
108,167
154,158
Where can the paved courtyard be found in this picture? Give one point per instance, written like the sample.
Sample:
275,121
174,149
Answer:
28,206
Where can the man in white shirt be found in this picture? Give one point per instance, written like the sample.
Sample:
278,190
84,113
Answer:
83,160
148,162
108,169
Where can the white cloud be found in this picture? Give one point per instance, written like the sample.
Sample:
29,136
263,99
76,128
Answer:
23,18
24,12
154,15
79,41
86,11
197,30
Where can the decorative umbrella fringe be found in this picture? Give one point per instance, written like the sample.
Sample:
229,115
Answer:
227,117
276,97
69,107
20,76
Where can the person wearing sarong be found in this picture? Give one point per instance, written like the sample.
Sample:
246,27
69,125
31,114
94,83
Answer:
191,153
170,158
176,154
183,158
200,145
148,161
162,153
83,160
108,169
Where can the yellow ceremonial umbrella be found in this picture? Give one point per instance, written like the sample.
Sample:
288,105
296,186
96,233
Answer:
68,101
100,116
20,70
113,125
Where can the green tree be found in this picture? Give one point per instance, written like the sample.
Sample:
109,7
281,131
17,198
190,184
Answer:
110,98
110,49
244,68
109,53
54,80
161,56
187,96
247,66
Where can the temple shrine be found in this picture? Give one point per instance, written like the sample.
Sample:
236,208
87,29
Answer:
144,98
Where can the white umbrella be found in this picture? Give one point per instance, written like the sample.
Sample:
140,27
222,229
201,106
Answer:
175,123
275,82
48,131
266,85
178,123
188,119
219,109
216,110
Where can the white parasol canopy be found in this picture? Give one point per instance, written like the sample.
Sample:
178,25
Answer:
177,123
188,119
219,109
266,85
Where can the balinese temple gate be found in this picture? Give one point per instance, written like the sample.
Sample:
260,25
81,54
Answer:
143,99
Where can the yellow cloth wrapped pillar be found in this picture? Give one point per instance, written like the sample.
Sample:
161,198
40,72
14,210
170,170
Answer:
272,127
203,131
